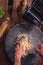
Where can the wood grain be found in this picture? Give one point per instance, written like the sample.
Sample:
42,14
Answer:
4,60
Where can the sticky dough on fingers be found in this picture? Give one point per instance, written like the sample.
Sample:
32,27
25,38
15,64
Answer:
23,40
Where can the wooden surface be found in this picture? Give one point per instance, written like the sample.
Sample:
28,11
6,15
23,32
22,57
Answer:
4,60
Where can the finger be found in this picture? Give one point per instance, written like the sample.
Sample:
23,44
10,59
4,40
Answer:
37,50
17,48
41,45
20,46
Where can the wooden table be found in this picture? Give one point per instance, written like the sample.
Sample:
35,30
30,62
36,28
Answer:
4,60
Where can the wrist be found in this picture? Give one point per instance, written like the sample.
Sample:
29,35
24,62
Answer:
18,59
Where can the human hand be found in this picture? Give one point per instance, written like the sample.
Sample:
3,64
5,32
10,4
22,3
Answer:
39,50
41,27
19,52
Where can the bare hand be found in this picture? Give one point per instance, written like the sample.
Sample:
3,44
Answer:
19,52
40,50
